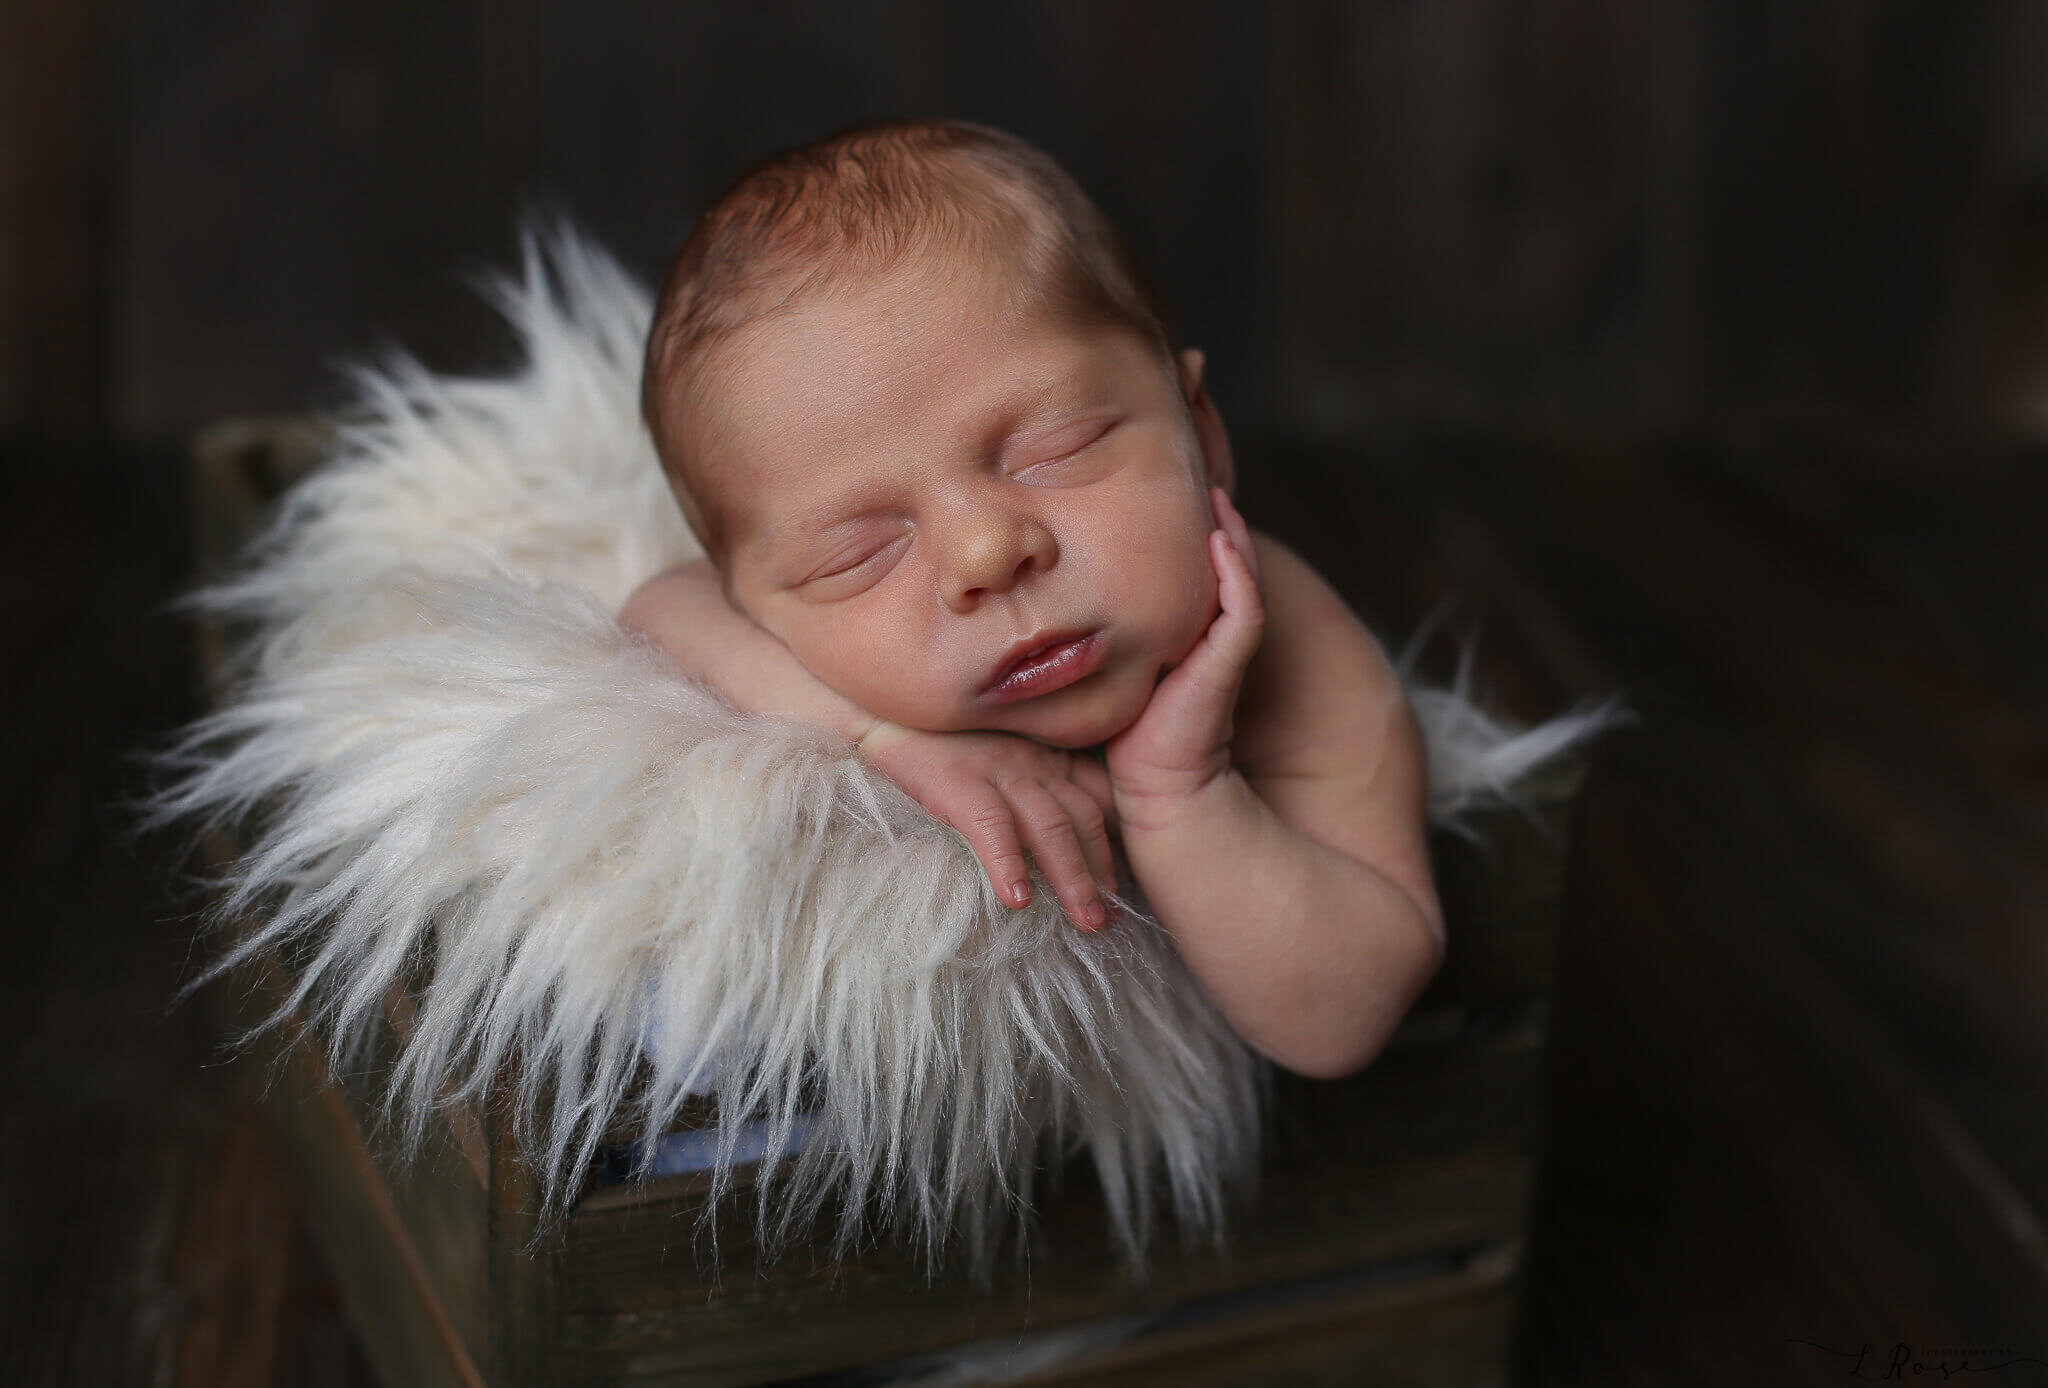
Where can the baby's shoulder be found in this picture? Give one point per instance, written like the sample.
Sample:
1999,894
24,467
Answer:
1321,698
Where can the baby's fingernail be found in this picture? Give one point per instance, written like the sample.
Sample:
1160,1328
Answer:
1092,915
1020,893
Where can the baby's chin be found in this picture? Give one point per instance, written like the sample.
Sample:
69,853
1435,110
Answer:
1080,736
1077,723
1083,715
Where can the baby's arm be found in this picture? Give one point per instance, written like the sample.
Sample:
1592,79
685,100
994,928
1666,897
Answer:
1278,830
1003,793
683,611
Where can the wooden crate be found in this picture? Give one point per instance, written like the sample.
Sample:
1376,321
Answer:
1382,1248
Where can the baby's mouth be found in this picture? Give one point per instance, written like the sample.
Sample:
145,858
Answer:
1042,664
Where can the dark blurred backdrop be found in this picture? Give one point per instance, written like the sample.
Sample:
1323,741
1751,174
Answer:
1701,350
1606,213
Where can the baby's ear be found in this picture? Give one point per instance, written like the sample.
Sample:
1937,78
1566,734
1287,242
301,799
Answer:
1217,461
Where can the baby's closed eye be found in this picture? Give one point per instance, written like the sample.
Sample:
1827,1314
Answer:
1061,457
853,567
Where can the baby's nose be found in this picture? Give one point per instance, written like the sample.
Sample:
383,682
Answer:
993,555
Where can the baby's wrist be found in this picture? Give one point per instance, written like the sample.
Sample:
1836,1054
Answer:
1161,804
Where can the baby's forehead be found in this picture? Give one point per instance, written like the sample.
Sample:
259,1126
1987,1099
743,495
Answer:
899,354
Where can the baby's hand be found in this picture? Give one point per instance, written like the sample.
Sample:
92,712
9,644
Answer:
997,788
1181,742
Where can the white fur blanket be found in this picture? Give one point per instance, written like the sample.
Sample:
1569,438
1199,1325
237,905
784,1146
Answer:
457,774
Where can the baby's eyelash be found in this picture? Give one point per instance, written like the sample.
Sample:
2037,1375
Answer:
1084,441
834,567
837,568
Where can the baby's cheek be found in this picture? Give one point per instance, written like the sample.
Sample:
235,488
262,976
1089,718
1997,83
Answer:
832,657
1198,599
899,679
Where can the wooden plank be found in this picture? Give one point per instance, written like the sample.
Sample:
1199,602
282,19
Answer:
465,1129
1442,1333
232,1261
1356,1327
1425,1153
527,1268
391,1293
439,1193
430,1203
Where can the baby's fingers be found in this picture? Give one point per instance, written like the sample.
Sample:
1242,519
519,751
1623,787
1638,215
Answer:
991,832
1232,524
1056,844
1091,827
1091,778
1233,638
1182,740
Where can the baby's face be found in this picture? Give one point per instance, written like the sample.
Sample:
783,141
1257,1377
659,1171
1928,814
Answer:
964,514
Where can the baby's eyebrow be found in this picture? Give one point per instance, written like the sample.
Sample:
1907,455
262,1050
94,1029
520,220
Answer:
1036,407
1086,379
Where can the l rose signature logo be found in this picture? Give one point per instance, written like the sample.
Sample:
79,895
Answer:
1901,1362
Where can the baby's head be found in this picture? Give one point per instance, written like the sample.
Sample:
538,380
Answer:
918,405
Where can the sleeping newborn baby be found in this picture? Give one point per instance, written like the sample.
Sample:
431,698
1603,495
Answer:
964,505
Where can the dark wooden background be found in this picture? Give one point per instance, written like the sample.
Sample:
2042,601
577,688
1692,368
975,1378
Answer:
1638,214
1699,351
